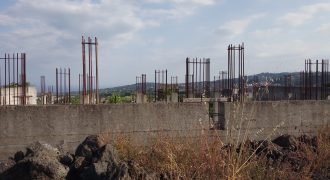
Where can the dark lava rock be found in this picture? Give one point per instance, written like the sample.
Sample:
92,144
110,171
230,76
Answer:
96,160
4,166
108,153
66,159
287,142
79,163
19,156
271,150
89,147
40,162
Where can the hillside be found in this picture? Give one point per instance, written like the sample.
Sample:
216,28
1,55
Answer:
274,78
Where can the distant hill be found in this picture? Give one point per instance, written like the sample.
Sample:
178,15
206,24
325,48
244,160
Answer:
273,78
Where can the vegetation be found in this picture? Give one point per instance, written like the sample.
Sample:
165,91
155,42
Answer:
209,158
75,99
116,98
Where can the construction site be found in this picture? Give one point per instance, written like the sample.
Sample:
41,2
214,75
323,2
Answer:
222,89
227,102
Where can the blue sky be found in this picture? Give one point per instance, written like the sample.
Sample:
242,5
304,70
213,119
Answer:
139,36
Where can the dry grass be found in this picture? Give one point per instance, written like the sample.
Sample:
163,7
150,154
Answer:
207,158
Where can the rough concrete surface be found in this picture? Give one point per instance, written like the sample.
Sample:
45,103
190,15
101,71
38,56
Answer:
68,125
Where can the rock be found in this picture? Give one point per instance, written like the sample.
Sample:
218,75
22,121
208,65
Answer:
100,169
84,151
79,163
40,162
108,153
117,171
95,171
4,166
287,142
19,156
66,159
271,150
92,160
105,170
89,147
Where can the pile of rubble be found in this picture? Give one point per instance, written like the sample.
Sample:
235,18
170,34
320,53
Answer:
92,160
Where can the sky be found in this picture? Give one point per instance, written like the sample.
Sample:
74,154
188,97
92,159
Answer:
140,36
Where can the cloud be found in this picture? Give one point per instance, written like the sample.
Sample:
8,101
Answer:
6,20
304,14
175,9
50,31
324,29
267,33
281,49
236,27
196,2
116,21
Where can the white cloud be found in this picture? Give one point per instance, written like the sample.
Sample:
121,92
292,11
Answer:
323,29
198,2
236,27
6,20
304,14
267,33
178,8
50,31
281,49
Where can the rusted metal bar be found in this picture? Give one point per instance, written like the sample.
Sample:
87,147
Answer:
84,69
90,81
9,87
316,79
97,72
144,83
69,86
310,79
79,84
42,89
61,85
187,77
166,86
155,85
57,86
1,99
193,79
17,87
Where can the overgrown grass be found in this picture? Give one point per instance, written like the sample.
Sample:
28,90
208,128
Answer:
209,158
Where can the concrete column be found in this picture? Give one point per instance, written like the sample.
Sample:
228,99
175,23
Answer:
141,98
174,97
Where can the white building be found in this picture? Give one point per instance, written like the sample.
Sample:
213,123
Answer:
14,95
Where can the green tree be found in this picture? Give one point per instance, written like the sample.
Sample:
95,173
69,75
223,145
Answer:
116,98
75,100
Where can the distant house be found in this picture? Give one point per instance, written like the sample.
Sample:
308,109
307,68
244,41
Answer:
14,95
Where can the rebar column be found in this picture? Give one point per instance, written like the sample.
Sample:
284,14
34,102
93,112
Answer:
187,77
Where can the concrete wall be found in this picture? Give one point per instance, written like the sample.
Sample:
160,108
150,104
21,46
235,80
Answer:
69,125
260,120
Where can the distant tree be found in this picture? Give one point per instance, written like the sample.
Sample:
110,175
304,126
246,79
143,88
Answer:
75,100
116,98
